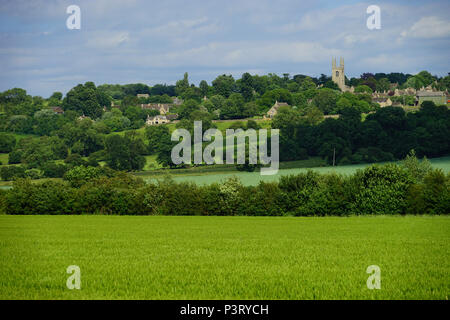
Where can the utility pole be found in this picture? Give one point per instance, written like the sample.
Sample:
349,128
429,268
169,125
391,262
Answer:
334,156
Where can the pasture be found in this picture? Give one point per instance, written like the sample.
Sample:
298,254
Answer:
205,176
157,257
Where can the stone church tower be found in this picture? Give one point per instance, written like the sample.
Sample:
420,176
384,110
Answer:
337,73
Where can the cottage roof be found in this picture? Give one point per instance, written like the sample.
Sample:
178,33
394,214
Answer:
430,93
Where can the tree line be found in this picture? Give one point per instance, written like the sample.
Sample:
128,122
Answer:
413,187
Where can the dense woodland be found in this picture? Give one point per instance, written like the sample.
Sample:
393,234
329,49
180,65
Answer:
41,143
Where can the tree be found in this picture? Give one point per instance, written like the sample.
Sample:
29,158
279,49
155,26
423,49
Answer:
7,142
306,84
331,85
313,116
8,173
20,123
414,82
182,85
125,153
363,88
115,120
383,85
80,175
269,97
45,122
85,100
56,95
250,109
416,168
187,108
52,169
224,85
246,86
425,77
155,136
233,108
204,88
192,93
326,100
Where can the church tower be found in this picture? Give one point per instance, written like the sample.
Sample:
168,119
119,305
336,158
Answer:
337,73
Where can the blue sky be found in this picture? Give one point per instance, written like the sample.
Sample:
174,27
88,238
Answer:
129,41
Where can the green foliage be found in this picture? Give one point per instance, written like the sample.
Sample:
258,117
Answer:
9,173
224,85
52,169
7,142
80,175
326,100
33,174
115,121
156,136
15,156
125,153
382,190
363,89
375,190
417,169
35,151
86,100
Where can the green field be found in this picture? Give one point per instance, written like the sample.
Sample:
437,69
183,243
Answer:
286,168
125,257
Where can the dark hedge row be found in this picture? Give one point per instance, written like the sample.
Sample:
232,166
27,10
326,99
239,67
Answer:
378,189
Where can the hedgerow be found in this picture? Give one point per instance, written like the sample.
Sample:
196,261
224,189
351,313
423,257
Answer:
378,189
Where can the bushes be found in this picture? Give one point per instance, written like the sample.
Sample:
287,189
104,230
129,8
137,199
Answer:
80,175
15,157
432,196
387,189
47,198
9,173
7,142
53,170
382,190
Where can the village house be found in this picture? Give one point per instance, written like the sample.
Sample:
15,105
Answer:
143,95
151,121
383,101
82,117
57,110
177,101
274,110
163,108
112,106
438,97
172,117
405,92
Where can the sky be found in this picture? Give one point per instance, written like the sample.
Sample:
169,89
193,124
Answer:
147,41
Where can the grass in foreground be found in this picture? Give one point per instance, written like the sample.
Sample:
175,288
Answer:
124,257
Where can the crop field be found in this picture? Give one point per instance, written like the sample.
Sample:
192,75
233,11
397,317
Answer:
253,178
156,257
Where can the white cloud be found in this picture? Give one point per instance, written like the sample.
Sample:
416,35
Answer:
182,31
390,62
108,40
322,19
232,54
428,27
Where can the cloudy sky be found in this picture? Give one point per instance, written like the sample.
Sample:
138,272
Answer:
149,41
